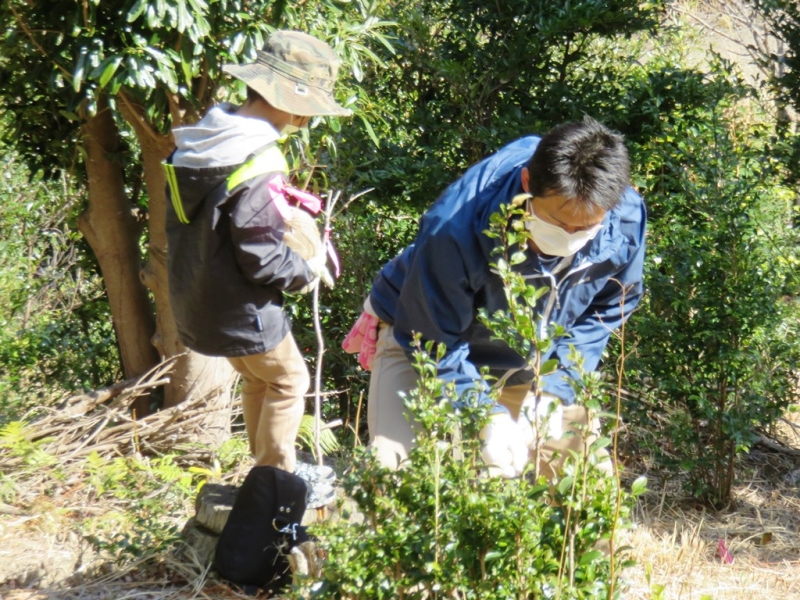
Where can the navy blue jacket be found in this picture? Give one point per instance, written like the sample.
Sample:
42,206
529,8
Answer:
437,285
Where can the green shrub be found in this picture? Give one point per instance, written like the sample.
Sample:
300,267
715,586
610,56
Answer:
56,335
439,527
714,335
145,500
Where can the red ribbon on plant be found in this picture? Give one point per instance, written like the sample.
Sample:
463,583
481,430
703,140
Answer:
724,554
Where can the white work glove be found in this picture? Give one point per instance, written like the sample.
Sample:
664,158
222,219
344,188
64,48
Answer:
319,271
545,418
306,560
505,447
317,264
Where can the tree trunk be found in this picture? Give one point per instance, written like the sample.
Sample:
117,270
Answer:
194,373
111,230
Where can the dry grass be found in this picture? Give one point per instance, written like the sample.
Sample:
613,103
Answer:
100,422
677,545
674,543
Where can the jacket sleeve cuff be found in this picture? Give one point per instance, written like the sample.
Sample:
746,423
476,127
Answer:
499,409
559,384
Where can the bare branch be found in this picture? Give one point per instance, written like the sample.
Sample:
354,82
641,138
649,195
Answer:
134,114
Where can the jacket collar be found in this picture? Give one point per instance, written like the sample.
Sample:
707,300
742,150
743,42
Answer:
606,244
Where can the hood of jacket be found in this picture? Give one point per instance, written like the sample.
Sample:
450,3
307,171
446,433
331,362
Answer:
221,138
208,152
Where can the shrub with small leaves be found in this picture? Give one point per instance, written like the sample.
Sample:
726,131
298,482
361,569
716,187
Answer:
715,337
441,528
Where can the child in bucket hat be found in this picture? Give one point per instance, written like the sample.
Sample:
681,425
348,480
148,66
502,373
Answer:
231,253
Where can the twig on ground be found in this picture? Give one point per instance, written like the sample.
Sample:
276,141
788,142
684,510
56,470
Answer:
776,446
100,422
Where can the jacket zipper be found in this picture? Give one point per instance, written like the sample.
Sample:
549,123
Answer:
552,301
555,285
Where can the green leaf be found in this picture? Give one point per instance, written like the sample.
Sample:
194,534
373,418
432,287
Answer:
107,68
549,366
198,6
327,439
370,131
69,115
357,73
565,484
136,11
79,72
184,18
604,414
601,442
639,486
590,557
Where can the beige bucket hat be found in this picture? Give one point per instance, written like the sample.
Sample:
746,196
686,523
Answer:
295,73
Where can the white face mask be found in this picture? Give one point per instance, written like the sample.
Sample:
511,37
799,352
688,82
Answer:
553,240
289,129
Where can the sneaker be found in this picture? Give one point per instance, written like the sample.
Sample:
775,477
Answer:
313,473
320,494
319,479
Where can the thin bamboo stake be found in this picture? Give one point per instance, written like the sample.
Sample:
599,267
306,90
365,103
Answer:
615,446
329,204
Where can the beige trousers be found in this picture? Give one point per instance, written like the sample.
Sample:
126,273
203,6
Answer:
391,433
273,386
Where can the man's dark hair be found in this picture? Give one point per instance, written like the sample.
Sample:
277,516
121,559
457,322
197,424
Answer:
584,161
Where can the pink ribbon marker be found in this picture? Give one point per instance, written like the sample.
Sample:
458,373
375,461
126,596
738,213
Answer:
723,552
280,190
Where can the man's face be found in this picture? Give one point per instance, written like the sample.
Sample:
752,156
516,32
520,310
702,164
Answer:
559,225
563,212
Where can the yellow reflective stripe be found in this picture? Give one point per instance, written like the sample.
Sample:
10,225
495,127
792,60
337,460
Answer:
270,160
174,194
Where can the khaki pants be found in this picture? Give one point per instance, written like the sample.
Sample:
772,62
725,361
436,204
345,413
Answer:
392,435
273,386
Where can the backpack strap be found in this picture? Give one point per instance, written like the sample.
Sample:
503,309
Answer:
268,159
174,191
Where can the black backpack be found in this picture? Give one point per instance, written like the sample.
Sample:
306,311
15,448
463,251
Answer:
263,525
